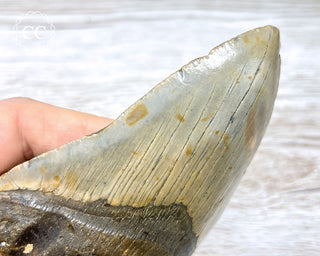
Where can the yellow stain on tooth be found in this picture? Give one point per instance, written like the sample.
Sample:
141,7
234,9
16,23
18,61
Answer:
225,139
138,113
179,117
189,150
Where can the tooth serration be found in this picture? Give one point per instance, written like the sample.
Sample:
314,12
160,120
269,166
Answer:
188,141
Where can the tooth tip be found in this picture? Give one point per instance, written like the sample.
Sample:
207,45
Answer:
274,34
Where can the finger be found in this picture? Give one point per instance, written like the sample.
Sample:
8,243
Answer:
29,128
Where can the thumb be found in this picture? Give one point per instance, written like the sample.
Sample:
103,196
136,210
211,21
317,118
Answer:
29,128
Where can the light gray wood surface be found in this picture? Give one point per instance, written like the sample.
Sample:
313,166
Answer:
101,56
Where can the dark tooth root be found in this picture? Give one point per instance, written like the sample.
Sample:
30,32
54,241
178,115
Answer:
45,224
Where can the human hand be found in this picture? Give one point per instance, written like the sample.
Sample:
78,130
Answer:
29,128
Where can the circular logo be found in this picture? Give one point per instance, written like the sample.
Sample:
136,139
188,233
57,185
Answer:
34,29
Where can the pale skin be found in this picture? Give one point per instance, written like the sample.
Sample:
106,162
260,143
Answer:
29,128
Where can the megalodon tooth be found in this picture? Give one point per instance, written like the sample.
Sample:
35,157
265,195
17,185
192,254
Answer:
148,183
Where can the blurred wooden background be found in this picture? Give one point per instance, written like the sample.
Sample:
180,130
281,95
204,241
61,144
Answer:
100,56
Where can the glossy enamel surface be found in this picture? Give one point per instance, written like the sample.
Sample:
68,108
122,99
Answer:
186,142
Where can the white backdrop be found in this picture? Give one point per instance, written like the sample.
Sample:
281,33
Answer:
101,56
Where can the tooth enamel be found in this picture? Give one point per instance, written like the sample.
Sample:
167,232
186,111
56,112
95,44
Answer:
186,142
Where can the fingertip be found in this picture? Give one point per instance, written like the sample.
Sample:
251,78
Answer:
93,123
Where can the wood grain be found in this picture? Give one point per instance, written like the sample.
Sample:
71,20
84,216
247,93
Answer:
106,54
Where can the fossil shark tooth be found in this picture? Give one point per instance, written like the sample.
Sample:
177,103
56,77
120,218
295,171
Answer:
148,183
